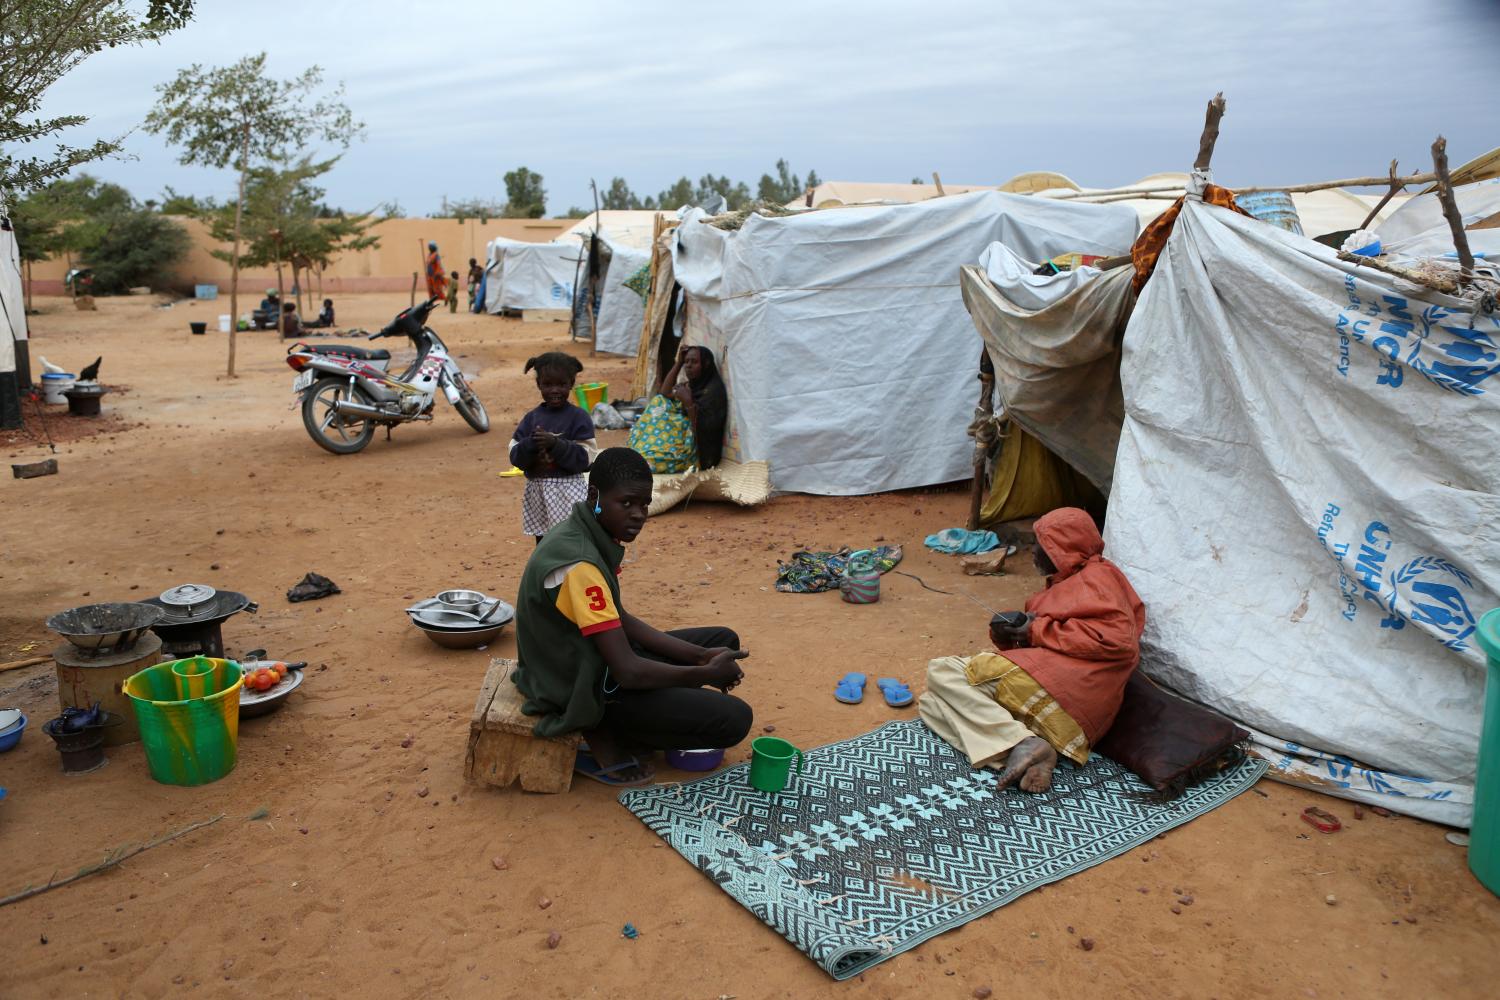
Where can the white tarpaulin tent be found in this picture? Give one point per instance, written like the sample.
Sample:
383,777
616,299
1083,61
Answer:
530,275
842,337
621,310
1305,499
12,301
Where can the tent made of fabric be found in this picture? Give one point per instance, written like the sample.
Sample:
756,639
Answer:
621,227
621,309
831,194
530,275
1296,500
842,336
12,300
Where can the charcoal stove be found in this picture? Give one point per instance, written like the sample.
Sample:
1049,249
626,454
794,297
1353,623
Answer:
193,619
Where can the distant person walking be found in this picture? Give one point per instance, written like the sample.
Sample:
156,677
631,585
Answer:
437,284
476,275
453,293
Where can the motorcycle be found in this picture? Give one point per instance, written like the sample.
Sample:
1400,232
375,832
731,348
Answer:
346,391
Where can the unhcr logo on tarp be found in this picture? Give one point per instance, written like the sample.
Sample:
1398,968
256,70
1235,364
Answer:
1428,590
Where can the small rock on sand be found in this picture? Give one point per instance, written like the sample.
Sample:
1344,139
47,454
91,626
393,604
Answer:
1176,909
499,863
406,743
1359,812
1331,899
980,992
1087,944
768,729
422,792
554,939
543,903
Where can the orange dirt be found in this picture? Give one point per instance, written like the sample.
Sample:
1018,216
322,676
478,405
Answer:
356,885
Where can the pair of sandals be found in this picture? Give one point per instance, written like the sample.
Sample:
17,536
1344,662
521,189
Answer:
851,690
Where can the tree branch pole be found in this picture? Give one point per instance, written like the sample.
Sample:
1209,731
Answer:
1427,280
938,182
234,270
1210,134
981,446
111,861
1451,212
1385,200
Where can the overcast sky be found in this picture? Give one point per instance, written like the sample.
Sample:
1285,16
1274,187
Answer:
455,94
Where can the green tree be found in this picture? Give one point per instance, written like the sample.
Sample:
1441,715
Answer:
39,233
173,203
736,195
483,209
619,196
41,41
574,212
238,116
674,197
526,198
782,188
813,180
136,247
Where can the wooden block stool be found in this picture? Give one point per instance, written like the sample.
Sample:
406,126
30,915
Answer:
502,746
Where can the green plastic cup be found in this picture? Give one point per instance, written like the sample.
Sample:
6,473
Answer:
771,763
1484,828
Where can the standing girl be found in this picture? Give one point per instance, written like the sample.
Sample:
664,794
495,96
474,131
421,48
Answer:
553,445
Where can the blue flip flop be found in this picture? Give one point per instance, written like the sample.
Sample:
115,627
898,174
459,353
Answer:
586,765
850,689
897,695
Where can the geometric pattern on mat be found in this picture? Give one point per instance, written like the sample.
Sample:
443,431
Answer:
890,838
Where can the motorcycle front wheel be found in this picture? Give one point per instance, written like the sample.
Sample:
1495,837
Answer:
340,434
468,406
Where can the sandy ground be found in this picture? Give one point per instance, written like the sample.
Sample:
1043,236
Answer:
356,886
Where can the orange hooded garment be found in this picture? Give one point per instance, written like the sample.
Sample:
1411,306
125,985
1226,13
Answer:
1086,636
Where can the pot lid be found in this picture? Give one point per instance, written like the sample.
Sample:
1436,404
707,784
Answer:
188,595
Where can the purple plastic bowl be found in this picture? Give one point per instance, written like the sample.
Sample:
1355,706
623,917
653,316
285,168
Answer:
695,760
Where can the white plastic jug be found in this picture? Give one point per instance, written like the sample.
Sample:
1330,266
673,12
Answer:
223,324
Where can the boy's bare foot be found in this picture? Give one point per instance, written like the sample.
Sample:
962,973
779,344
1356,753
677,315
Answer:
1032,753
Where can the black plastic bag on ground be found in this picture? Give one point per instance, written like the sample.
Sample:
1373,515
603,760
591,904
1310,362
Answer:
311,588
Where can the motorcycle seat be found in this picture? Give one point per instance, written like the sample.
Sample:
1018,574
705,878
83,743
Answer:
349,351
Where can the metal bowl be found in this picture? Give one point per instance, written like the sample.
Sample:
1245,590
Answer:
105,626
469,638
463,600
253,703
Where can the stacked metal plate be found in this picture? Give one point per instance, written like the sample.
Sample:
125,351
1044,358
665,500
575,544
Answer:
461,619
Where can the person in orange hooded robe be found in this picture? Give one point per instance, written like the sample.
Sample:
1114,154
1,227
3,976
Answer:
1056,683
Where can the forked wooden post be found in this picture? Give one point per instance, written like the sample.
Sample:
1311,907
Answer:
1210,134
503,748
1451,212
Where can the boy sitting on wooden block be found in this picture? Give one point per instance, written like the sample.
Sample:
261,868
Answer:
588,665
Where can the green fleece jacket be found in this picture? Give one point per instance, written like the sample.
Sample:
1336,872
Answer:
560,671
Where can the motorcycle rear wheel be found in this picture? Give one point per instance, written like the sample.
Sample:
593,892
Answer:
469,407
341,435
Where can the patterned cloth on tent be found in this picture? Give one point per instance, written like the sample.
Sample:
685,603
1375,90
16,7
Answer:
640,282
663,435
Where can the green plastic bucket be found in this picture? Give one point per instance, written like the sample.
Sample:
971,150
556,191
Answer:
1484,829
189,716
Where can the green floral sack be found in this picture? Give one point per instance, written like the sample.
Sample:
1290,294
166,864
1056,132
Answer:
664,437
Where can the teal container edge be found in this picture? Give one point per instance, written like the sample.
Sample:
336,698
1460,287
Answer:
1484,828
1274,207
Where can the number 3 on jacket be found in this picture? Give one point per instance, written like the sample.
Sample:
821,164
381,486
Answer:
584,598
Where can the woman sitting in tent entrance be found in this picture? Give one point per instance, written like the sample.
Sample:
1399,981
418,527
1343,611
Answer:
704,400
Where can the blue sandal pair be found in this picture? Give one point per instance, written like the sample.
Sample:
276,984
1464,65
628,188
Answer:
851,690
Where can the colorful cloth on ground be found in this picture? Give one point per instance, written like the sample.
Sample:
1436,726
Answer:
1018,693
1086,633
663,436
1153,239
559,670
548,501
888,839
958,541
437,281
815,572
640,282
